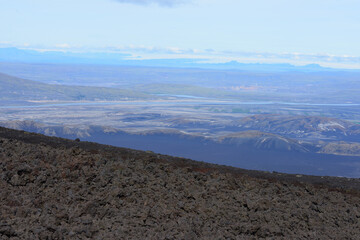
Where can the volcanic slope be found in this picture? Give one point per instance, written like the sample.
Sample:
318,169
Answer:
52,188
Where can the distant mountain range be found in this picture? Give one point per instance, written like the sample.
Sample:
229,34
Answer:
110,58
33,56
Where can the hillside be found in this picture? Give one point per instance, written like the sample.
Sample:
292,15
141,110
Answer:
247,149
56,188
301,126
13,88
342,148
261,140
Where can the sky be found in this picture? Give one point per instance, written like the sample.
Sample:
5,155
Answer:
300,32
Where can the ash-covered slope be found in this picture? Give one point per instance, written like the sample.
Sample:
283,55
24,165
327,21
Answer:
61,189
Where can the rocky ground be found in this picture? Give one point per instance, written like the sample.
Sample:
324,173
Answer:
53,188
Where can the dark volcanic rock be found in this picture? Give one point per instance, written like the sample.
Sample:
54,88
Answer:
53,188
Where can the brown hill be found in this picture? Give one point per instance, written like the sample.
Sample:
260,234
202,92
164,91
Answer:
52,188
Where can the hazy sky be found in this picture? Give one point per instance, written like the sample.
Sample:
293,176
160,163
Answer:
296,31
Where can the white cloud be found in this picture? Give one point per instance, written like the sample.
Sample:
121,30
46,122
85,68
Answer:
163,3
208,55
305,57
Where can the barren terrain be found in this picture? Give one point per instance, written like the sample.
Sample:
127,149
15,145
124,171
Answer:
56,188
